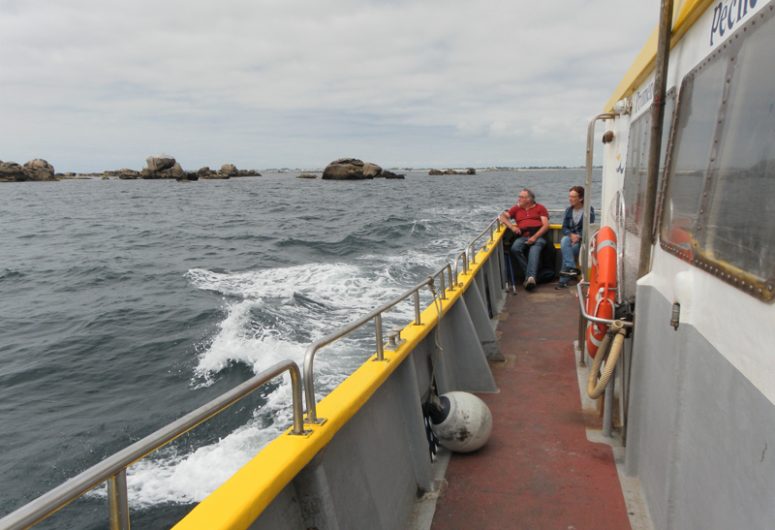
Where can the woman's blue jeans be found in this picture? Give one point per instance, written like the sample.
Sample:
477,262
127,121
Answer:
570,252
528,265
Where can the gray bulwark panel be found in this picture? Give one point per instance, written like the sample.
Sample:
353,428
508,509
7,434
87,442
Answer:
483,325
495,289
372,471
283,513
463,364
700,434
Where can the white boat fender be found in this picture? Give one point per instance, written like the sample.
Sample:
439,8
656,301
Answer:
461,421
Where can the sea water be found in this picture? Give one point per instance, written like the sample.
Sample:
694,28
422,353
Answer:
126,304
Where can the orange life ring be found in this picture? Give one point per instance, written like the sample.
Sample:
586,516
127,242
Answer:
602,285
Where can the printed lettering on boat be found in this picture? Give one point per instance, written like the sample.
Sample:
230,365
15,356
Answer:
728,14
643,97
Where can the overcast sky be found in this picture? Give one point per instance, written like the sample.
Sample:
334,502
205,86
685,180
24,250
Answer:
94,85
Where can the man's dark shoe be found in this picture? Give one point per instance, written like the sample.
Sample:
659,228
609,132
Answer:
572,273
530,283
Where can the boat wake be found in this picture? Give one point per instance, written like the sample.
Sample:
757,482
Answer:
271,315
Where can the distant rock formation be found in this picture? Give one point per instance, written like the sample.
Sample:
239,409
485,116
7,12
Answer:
160,162
371,171
161,167
123,173
188,176
306,176
11,172
157,167
34,170
345,169
469,171
207,173
229,170
354,169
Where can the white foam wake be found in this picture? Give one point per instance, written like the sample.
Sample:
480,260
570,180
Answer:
274,314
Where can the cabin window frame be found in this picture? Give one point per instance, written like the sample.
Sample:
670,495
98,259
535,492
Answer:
696,252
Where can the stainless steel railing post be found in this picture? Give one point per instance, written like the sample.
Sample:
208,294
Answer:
416,296
378,329
118,501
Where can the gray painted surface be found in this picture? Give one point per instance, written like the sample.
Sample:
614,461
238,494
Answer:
378,464
282,514
481,320
700,435
364,478
463,362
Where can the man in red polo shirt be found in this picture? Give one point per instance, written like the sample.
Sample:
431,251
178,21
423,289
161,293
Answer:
531,222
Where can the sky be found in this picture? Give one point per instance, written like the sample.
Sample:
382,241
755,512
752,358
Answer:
94,85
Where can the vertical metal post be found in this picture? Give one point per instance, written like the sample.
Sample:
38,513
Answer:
451,278
416,297
584,262
655,145
378,329
473,254
501,266
118,501
443,286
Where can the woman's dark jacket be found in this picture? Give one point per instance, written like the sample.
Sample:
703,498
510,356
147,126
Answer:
569,227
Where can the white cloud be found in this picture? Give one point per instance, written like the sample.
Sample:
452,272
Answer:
96,85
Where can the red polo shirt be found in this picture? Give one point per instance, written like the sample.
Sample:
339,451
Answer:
528,219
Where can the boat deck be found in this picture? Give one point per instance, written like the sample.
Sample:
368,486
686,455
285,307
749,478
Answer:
538,469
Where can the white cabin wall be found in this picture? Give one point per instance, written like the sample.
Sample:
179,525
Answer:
614,155
702,401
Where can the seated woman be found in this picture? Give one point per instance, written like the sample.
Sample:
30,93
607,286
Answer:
572,230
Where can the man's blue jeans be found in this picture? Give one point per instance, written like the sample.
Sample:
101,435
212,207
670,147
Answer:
528,265
570,252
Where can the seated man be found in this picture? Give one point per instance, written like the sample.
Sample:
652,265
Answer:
572,230
531,222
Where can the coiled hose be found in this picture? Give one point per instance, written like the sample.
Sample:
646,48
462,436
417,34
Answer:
595,386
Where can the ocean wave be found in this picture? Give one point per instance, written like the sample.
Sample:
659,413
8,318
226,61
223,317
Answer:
11,274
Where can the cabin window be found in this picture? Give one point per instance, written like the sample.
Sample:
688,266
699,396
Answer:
718,209
636,174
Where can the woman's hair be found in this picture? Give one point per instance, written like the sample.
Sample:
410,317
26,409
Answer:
579,191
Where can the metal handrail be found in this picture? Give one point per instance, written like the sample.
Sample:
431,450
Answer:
598,320
470,248
113,469
376,315
464,256
488,231
585,237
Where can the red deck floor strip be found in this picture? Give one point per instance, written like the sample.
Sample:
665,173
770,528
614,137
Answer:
538,470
